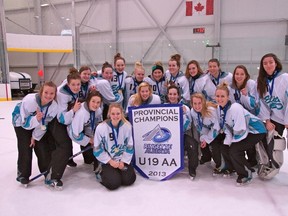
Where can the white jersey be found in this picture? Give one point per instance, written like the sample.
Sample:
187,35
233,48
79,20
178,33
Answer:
65,98
207,126
118,81
113,143
84,124
181,82
153,99
275,106
222,77
105,89
158,87
247,101
203,84
24,115
131,87
238,122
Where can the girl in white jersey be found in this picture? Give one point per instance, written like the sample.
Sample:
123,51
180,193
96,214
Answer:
132,82
157,80
242,131
84,123
119,75
190,144
68,105
113,147
176,77
199,82
30,119
205,119
216,74
144,96
272,89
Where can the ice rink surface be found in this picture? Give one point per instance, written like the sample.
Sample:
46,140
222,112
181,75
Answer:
179,196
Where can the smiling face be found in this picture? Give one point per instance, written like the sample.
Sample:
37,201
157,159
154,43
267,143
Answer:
119,65
139,74
197,104
269,65
157,74
94,103
85,76
221,97
193,70
115,115
213,68
48,95
173,96
240,76
173,68
144,93
74,85
107,73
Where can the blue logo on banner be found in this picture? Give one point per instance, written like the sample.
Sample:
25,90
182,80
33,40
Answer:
158,135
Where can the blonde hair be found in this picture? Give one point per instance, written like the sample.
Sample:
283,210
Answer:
137,97
205,112
138,66
116,105
223,86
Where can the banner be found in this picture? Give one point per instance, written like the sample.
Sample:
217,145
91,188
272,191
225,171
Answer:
158,140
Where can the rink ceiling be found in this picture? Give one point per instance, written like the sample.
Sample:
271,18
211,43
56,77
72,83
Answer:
246,30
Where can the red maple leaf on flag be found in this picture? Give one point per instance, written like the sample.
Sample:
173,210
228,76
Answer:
199,7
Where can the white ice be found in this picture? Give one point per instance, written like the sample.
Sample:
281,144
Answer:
82,195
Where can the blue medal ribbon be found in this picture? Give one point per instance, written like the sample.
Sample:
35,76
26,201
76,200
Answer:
270,88
200,120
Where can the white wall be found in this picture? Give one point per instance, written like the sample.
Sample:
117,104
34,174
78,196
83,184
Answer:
249,29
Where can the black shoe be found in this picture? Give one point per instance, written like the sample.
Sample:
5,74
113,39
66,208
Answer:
23,180
204,160
71,163
192,174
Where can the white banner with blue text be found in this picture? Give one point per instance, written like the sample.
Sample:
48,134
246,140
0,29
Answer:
158,140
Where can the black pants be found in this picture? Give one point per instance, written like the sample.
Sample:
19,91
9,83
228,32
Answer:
192,148
88,156
25,152
113,178
237,152
62,149
216,150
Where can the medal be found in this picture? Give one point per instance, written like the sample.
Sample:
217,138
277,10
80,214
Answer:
221,131
116,150
43,127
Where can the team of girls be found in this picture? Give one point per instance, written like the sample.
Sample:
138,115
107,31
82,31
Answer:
222,107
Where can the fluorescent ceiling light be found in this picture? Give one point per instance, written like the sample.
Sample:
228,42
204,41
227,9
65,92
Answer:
44,5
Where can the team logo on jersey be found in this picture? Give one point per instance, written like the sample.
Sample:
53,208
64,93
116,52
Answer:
158,134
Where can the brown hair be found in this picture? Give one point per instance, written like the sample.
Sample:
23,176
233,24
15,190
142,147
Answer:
92,94
73,74
177,58
117,57
49,84
205,112
106,65
234,84
83,68
262,75
200,71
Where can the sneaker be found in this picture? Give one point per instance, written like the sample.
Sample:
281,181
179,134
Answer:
243,180
54,183
72,163
192,174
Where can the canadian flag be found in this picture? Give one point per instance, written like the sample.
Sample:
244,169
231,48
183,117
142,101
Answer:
200,7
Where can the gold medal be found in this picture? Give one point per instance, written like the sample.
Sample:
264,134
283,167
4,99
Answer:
43,127
116,150
221,131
